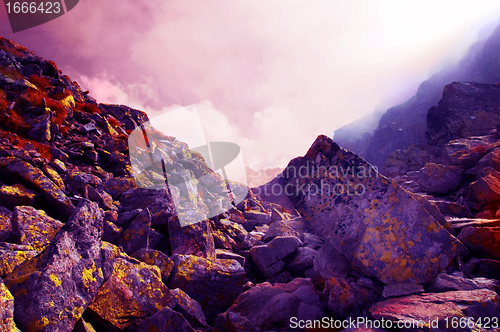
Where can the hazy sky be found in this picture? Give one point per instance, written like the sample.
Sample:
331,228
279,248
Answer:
269,75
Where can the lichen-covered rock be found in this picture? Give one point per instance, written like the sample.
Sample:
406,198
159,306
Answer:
268,257
157,258
133,291
6,310
33,227
33,177
165,320
189,308
375,224
482,240
53,289
10,259
15,195
213,284
472,303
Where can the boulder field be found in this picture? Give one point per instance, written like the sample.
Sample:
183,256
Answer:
92,237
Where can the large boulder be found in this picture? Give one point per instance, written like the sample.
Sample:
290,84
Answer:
52,290
377,227
213,284
33,227
133,291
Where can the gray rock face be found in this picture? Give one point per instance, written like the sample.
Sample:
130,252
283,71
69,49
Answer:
378,227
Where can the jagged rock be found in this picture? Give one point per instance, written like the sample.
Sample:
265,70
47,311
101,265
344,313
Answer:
165,320
485,190
15,195
136,237
54,176
10,259
483,240
5,224
440,179
6,310
157,258
473,303
133,291
33,227
268,257
103,198
40,127
77,180
233,229
279,228
157,201
379,228
446,282
196,239
225,254
189,308
35,178
466,109
214,285
117,186
53,289
396,290
111,232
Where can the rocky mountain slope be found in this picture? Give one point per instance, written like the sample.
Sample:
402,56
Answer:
92,239
405,124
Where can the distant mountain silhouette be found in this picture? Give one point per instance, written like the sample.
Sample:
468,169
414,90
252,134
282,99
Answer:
405,124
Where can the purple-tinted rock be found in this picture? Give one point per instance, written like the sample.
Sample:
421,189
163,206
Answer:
52,290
